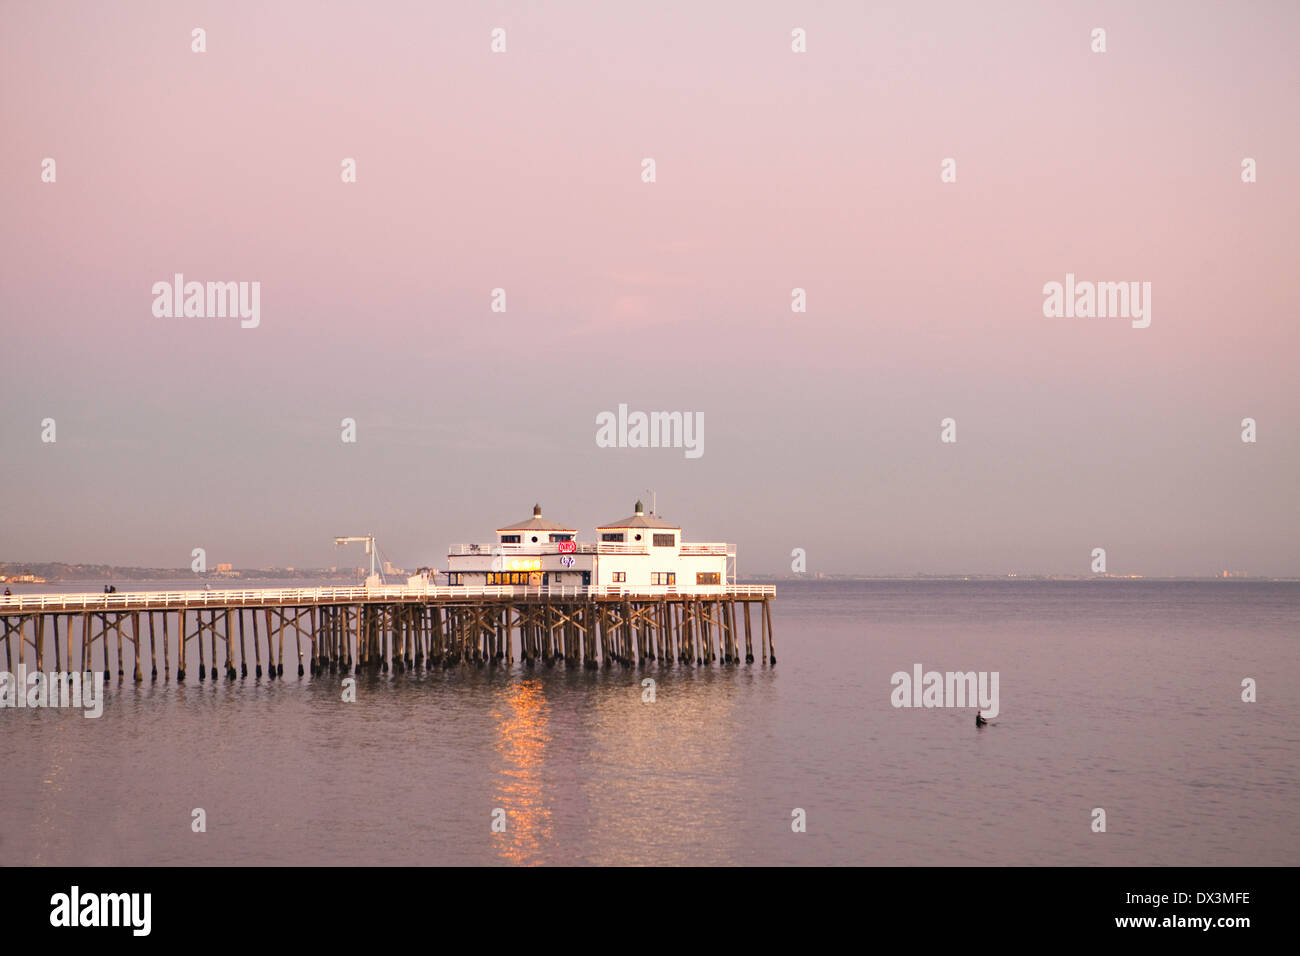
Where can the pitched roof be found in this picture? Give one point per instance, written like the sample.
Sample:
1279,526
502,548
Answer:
537,523
640,520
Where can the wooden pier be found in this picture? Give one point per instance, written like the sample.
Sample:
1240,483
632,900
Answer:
349,630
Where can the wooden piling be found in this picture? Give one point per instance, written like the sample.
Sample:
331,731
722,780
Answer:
749,641
198,643
153,651
243,647
180,645
767,623
135,645
230,648
270,646
279,669
317,622
297,629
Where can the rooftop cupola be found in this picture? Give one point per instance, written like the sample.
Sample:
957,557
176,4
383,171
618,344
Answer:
537,511
640,509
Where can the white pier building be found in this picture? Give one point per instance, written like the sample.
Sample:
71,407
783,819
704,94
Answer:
641,553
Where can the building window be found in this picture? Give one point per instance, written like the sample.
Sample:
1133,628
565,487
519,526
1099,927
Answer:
510,539
453,577
507,577
620,577
612,536
663,577
708,577
561,537
665,540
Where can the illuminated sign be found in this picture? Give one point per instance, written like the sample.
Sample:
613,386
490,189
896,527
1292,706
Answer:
567,561
525,564
568,547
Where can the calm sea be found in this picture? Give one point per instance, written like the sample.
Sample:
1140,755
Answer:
1124,696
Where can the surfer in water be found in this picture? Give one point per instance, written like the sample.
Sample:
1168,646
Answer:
979,719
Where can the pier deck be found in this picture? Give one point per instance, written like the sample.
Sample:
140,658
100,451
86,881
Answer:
348,629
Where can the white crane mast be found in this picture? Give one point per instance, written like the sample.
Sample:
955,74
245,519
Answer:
369,541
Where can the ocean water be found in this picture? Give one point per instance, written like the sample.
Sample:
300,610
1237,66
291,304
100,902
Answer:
1118,695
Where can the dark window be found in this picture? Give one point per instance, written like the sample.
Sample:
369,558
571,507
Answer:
510,539
708,577
665,540
612,536
561,537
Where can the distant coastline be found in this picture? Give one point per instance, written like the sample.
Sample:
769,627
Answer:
55,572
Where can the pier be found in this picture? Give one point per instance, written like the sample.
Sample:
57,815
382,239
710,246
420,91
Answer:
354,629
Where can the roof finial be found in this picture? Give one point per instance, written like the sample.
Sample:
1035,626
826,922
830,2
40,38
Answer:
639,508
537,511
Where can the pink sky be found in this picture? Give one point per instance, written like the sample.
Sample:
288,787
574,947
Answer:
774,170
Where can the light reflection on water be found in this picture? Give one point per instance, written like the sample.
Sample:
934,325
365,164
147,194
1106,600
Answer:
521,744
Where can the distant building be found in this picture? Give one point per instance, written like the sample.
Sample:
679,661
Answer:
224,567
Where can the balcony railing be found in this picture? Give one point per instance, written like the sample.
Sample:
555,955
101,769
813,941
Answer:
547,547
697,549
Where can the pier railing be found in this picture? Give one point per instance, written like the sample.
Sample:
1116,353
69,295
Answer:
156,600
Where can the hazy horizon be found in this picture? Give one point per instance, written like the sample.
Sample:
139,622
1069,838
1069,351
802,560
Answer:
824,577
775,170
